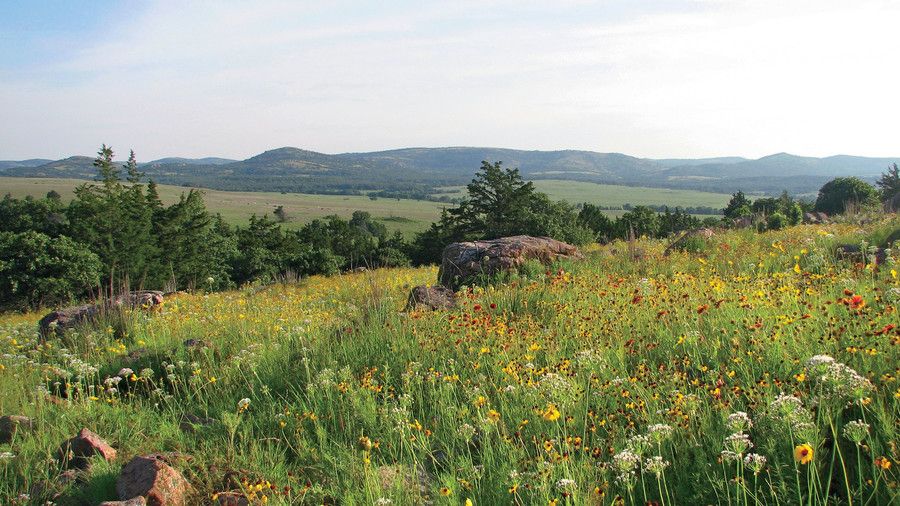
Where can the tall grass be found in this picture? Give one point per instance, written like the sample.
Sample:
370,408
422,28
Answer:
756,369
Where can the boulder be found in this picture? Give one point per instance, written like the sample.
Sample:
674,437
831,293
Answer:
743,222
432,297
13,424
703,234
464,260
77,452
70,317
151,478
810,218
854,253
822,217
137,501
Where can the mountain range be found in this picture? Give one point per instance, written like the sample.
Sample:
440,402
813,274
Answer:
419,172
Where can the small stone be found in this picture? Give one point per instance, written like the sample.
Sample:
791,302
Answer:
14,424
231,499
154,480
76,452
137,501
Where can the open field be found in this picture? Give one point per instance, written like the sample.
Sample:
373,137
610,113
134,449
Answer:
760,369
407,216
614,195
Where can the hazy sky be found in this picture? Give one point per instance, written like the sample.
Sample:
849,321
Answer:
656,79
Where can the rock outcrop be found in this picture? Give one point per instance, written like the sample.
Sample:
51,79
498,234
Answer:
701,234
154,480
463,261
77,452
432,297
70,317
12,425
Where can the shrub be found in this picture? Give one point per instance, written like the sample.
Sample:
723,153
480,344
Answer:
37,270
776,221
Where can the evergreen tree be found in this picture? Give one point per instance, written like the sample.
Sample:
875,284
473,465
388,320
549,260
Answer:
131,167
889,182
738,207
192,251
115,223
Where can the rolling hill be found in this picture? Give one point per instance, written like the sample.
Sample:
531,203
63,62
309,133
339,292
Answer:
417,172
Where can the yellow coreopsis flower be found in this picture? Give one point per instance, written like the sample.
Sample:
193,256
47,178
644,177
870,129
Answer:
551,413
803,453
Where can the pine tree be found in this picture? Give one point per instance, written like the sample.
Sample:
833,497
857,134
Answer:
889,183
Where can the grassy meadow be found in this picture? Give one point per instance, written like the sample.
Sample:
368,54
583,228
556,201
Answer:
757,370
407,216
616,195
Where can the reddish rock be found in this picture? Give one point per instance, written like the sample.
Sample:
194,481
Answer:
153,479
432,297
13,424
76,452
464,260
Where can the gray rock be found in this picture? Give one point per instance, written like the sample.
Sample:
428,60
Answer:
463,261
13,424
432,297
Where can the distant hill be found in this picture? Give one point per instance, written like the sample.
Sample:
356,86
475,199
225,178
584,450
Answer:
34,162
417,172
210,160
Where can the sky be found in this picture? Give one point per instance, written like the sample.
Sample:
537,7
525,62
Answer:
658,79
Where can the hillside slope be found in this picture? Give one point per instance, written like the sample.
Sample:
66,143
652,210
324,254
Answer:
669,380
416,172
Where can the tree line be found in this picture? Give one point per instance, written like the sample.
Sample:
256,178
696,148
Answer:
116,234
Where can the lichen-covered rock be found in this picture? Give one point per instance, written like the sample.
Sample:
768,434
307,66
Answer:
151,478
77,452
67,318
136,501
683,242
432,297
462,261
12,424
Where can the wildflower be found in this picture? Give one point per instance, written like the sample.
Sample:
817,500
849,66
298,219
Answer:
883,463
243,405
125,372
659,432
803,453
625,461
755,462
446,492
383,501
656,465
638,444
738,443
739,422
856,431
551,413
7,455
565,484
493,415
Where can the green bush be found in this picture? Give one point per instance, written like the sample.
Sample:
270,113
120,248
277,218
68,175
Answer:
777,221
37,270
